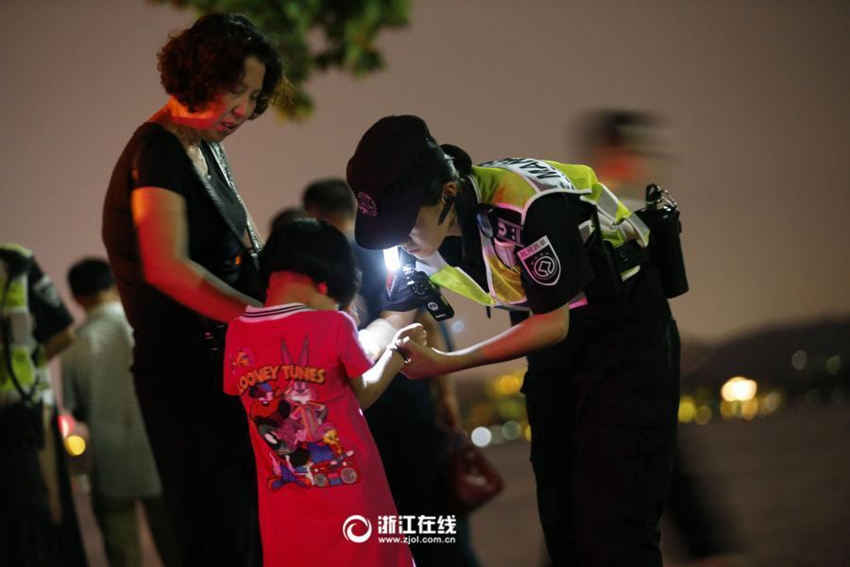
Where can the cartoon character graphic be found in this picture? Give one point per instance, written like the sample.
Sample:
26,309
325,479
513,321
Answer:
287,359
304,448
270,414
319,453
243,358
308,413
284,474
267,398
330,464
341,470
331,437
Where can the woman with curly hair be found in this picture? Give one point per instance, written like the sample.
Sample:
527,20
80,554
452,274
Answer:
182,246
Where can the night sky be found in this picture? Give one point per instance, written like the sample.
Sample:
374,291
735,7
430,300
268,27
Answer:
756,94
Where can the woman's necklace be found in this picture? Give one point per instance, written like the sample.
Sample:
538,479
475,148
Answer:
195,154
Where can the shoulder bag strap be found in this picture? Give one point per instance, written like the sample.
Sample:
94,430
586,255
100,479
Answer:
221,160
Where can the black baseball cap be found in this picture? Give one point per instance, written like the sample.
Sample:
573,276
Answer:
390,172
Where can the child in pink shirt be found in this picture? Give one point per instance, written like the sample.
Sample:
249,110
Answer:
303,378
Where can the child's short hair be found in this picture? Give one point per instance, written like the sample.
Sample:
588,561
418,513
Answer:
315,249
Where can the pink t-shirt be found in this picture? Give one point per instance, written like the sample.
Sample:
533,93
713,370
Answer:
317,463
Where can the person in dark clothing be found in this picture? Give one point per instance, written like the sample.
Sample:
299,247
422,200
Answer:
97,388
286,215
331,200
38,526
551,244
181,245
627,149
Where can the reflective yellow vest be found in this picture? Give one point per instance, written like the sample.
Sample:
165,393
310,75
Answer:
25,357
514,184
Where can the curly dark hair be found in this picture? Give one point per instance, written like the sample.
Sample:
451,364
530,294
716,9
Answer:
315,249
196,64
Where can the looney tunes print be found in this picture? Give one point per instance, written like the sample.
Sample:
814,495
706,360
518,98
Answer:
303,443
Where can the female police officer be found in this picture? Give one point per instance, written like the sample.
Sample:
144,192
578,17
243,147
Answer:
551,244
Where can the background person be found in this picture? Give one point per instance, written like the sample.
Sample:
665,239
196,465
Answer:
602,347
627,149
332,200
178,239
36,527
285,215
98,390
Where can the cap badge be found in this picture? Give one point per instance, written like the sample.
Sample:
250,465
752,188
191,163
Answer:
366,205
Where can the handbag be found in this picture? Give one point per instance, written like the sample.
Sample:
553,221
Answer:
471,478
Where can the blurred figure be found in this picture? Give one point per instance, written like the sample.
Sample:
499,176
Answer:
98,390
628,150
286,215
332,200
411,420
37,521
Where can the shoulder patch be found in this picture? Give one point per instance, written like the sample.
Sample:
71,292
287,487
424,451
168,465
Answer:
47,291
541,262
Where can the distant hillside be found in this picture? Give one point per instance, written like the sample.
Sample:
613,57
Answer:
766,356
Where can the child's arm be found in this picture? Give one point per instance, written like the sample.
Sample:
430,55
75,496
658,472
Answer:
371,384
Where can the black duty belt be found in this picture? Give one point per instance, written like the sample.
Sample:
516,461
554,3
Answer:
630,255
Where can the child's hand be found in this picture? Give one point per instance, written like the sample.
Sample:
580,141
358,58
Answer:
412,333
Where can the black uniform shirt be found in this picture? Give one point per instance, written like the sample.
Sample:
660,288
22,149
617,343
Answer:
164,328
49,312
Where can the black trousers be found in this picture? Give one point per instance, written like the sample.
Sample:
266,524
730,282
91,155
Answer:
202,448
603,410
27,533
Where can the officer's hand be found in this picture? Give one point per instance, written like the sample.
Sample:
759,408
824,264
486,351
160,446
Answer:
423,361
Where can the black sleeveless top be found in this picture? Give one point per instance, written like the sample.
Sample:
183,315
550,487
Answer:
167,334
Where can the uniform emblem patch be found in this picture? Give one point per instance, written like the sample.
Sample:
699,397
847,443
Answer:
541,262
